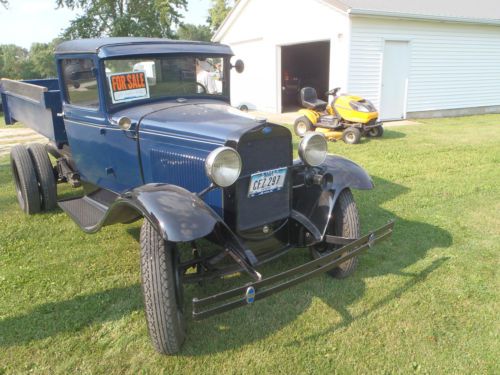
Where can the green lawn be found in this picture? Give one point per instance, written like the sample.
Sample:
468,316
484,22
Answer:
426,301
3,126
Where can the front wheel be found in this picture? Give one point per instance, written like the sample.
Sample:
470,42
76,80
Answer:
344,223
375,132
351,135
302,125
162,289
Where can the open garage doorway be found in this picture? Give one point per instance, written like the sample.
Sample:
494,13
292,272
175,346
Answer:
304,65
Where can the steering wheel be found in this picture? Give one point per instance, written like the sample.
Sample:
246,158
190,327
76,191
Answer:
333,92
187,88
204,89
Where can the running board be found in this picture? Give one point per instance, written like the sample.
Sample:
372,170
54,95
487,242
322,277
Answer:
84,211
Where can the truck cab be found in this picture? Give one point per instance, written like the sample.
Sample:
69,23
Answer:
137,79
145,126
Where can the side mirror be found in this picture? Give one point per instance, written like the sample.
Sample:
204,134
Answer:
239,65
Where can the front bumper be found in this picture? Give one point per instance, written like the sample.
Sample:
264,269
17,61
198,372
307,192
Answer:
253,291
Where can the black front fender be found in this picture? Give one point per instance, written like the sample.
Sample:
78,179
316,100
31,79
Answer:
317,201
181,216
178,214
346,173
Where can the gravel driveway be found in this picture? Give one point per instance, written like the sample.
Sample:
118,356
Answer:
15,136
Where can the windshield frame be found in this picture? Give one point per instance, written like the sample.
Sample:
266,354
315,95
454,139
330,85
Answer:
114,107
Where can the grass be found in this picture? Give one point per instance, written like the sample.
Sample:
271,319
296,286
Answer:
3,126
426,301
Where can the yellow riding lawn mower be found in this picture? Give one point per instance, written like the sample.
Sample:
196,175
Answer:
347,117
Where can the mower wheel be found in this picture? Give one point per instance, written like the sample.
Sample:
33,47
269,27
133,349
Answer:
351,136
302,125
375,132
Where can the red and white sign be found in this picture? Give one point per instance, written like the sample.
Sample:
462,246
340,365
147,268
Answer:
129,86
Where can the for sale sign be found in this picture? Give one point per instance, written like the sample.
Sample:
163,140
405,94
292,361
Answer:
128,86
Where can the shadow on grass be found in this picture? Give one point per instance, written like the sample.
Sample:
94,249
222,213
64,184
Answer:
72,315
348,319
392,134
409,244
388,134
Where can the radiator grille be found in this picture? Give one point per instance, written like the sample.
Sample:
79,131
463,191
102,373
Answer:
185,167
262,152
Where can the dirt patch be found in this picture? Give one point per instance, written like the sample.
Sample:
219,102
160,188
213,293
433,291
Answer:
12,137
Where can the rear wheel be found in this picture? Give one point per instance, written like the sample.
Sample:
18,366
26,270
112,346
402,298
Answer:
25,180
351,135
344,223
375,132
162,289
302,125
45,175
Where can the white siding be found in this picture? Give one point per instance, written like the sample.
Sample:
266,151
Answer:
451,65
257,33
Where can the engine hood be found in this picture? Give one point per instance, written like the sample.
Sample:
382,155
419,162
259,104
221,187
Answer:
207,120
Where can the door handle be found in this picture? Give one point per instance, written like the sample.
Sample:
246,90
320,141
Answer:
60,114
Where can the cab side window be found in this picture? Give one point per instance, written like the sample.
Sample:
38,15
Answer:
80,82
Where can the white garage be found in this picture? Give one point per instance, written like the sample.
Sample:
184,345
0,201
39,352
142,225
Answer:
410,58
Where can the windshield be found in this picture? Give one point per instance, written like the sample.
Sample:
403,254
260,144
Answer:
132,79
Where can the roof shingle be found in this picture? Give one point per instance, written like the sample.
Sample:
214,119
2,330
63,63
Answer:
467,10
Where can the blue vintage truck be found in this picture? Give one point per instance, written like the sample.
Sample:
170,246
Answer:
145,126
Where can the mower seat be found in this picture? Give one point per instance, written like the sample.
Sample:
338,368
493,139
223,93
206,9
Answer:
309,99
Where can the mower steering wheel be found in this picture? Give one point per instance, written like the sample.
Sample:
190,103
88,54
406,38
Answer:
333,92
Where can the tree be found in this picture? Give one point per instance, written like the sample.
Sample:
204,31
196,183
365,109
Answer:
193,32
19,63
218,13
41,58
153,18
14,62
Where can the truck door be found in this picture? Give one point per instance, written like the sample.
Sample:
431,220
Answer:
105,155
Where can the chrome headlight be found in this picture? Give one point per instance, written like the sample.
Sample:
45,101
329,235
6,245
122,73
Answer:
223,166
313,149
363,106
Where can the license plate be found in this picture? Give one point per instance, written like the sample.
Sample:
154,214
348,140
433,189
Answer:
267,182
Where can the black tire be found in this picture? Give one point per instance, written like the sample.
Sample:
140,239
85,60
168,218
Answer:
351,136
375,132
345,224
25,180
162,290
45,176
302,125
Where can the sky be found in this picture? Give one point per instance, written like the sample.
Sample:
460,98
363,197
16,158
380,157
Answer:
29,21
